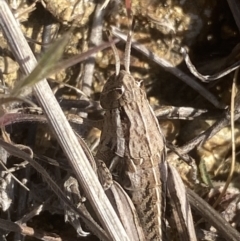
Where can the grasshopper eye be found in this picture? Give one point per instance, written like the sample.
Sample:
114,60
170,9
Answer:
110,98
118,92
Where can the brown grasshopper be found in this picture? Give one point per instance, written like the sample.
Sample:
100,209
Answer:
144,169
132,143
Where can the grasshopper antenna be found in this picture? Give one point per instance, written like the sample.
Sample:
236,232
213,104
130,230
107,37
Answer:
129,37
115,53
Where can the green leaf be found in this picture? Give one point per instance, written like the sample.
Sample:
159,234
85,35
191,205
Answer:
44,66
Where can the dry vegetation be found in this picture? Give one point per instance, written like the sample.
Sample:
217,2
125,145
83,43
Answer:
206,27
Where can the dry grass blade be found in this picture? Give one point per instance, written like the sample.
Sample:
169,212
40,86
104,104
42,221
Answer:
181,207
81,211
207,78
80,57
45,64
235,8
212,216
48,64
210,132
60,126
126,212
